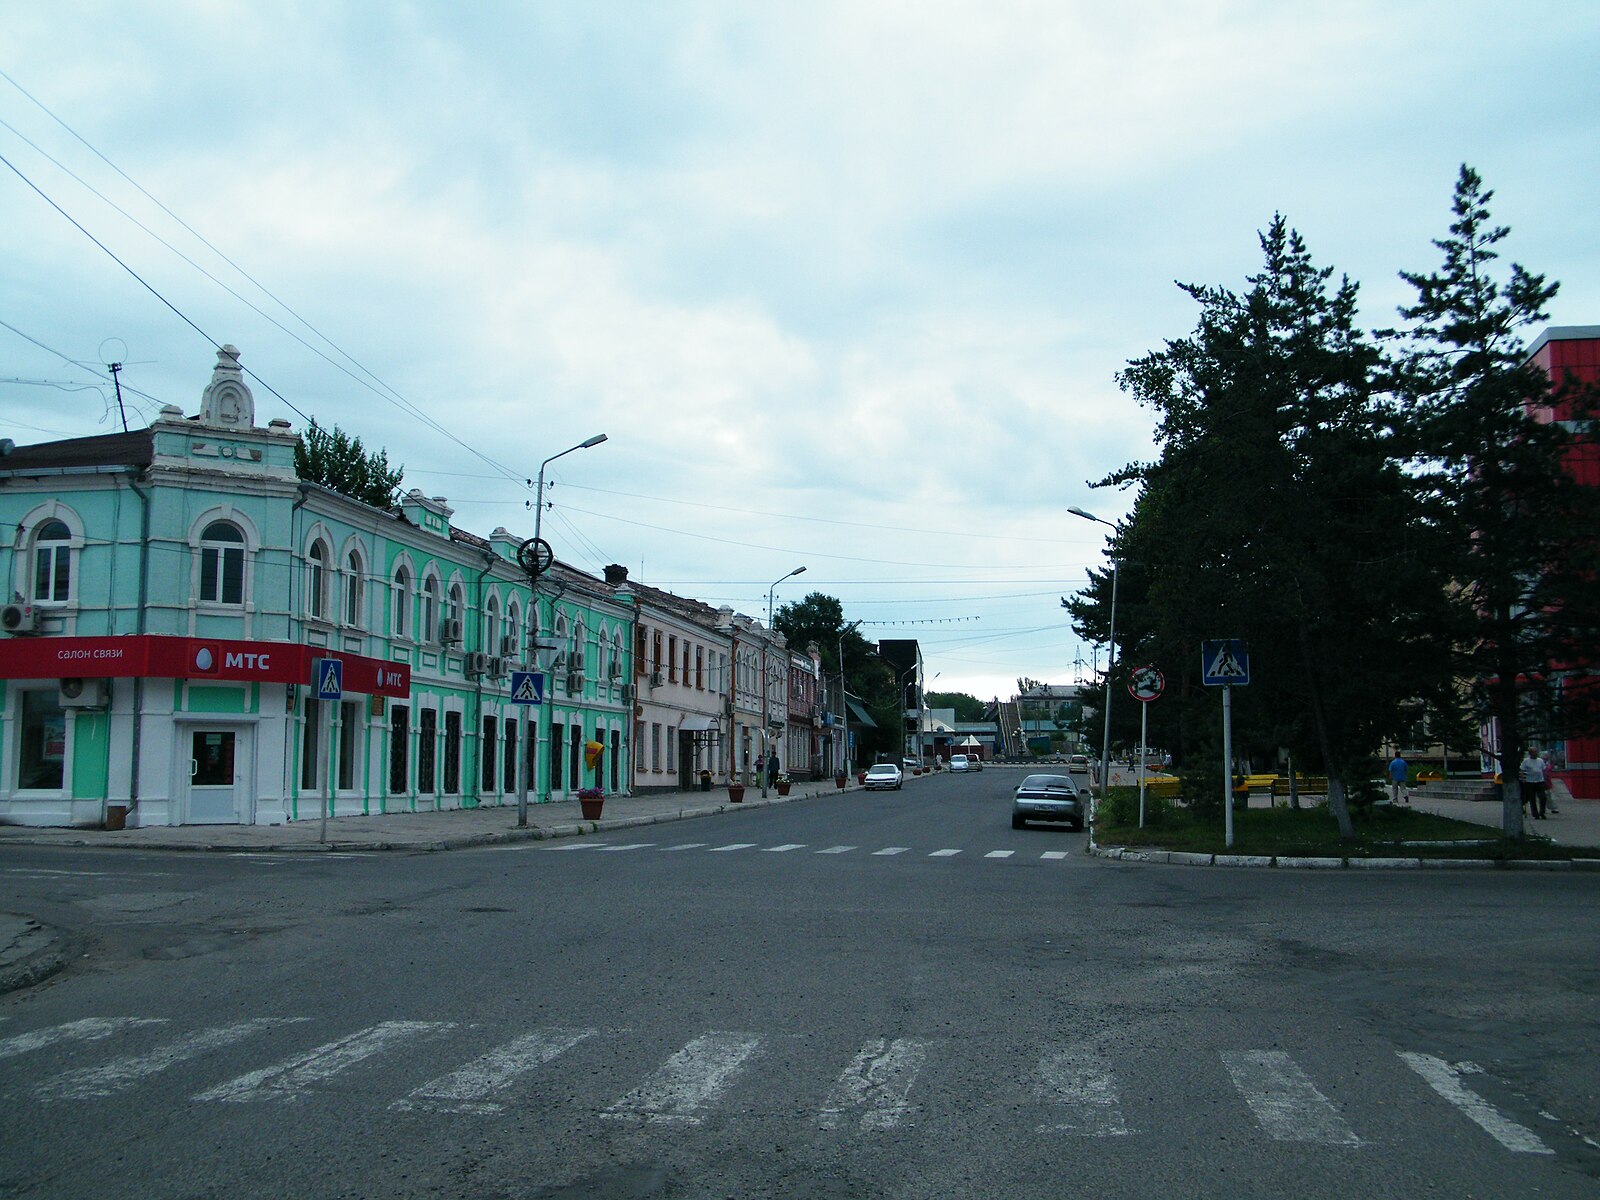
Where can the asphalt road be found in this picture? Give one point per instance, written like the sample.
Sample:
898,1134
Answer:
883,994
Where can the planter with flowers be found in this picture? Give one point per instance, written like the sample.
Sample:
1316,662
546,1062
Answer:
591,800
735,790
783,784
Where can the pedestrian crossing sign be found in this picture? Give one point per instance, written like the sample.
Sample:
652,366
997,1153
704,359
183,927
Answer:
1225,663
328,676
527,687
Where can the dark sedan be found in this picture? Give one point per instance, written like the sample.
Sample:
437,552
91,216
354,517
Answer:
1048,798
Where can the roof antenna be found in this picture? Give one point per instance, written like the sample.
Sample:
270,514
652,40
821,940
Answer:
114,368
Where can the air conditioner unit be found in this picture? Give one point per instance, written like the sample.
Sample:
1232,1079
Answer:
616,670
509,648
450,631
475,665
574,681
657,678
19,618
84,693
497,668
577,661
627,693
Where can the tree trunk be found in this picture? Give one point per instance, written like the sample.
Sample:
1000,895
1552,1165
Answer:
1336,798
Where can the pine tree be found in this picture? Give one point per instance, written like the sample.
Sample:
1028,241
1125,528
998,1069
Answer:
338,461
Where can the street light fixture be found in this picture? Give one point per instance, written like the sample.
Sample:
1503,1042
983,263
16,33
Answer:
1111,660
545,649
766,685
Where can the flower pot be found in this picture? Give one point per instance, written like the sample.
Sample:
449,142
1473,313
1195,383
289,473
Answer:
783,789
591,808
736,793
838,780
861,776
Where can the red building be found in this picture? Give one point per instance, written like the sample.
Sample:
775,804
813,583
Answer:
1572,352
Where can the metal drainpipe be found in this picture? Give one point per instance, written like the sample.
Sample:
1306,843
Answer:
144,595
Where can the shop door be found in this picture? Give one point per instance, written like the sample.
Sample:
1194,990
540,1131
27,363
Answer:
216,776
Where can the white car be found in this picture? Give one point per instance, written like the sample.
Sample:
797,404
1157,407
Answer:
960,762
883,775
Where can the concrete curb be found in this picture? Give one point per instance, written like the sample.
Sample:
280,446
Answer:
1289,862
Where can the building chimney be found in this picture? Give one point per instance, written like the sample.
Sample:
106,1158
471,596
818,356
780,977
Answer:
616,576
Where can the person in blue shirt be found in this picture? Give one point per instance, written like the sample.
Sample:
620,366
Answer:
1398,768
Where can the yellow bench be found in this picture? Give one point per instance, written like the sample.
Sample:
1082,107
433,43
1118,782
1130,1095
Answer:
1306,785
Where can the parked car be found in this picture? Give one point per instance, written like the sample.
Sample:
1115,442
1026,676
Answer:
958,762
883,775
910,764
1078,762
1048,798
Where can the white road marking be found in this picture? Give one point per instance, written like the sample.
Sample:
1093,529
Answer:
944,854
49,871
630,846
730,846
1445,1078
688,1082
1053,854
579,846
289,1080
1000,854
90,1029
891,850
876,1083
123,1073
1077,1081
686,846
785,848
837,850
1284,1100
464,1090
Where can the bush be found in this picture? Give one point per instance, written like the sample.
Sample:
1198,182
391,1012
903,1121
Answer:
1121,808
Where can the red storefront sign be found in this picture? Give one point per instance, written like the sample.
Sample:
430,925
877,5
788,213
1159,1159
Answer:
154,656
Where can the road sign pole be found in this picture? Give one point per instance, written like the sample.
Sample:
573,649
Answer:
522,768
1144,726
327,771
1227,765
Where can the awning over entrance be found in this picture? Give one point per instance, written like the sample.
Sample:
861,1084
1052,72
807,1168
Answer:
859,715
697,724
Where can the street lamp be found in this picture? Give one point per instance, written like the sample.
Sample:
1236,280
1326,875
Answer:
842,758
1111,659
545,648
766,685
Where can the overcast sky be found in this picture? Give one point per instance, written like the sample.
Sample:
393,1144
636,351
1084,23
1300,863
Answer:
845,284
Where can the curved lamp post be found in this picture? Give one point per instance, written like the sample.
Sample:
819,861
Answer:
543,651
1111,661
766,685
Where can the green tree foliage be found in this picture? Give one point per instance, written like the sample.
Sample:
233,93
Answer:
819,618
1275,513
968,708
336,460
1523,534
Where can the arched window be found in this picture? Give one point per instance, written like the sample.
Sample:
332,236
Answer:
317,580
355,590
564,659
458,603
491,626
430,609
514,631
52,561
222,563
580,641
616,655
401,625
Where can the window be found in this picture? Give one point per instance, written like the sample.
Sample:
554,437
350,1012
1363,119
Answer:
452,754
655,653
616,755
354,589
317,581
458,606
430,609
349,743
512,779
641,643
311,746
399,758
575,754
513,631
557,734
617,662
639,764
41,762
427,749
655,746
401,625
686,664
672,660
52,561
222,563
671,739
700,668
491,626
486,751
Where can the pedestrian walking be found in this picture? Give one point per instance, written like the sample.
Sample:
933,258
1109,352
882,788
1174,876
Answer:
1532,775
1549,783
772,771
1399,768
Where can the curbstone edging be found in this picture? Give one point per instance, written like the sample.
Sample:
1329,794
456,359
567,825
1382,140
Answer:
1328,864
1400,864
1187,858
1540,864
1436,864
1242,860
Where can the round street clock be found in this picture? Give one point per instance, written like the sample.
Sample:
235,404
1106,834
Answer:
535,556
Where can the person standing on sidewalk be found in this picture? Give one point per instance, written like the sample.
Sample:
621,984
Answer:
1398,770
1532,776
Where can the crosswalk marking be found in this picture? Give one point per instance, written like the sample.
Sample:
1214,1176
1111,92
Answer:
1284,1100
731,846
785,848
465,1090
1053,855
90,1029
688,1082
876,1083
944,854
789,847
1076,1081
1000,854
289,1080
687,846
578,846
837,850
1445,1079
123,1073
891,850
630,846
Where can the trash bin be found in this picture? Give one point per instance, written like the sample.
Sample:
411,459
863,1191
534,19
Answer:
705,781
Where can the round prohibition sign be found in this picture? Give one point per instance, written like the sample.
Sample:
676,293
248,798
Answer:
1146,684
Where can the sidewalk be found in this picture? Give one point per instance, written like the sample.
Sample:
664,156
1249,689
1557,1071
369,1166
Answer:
423,831
1577,823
